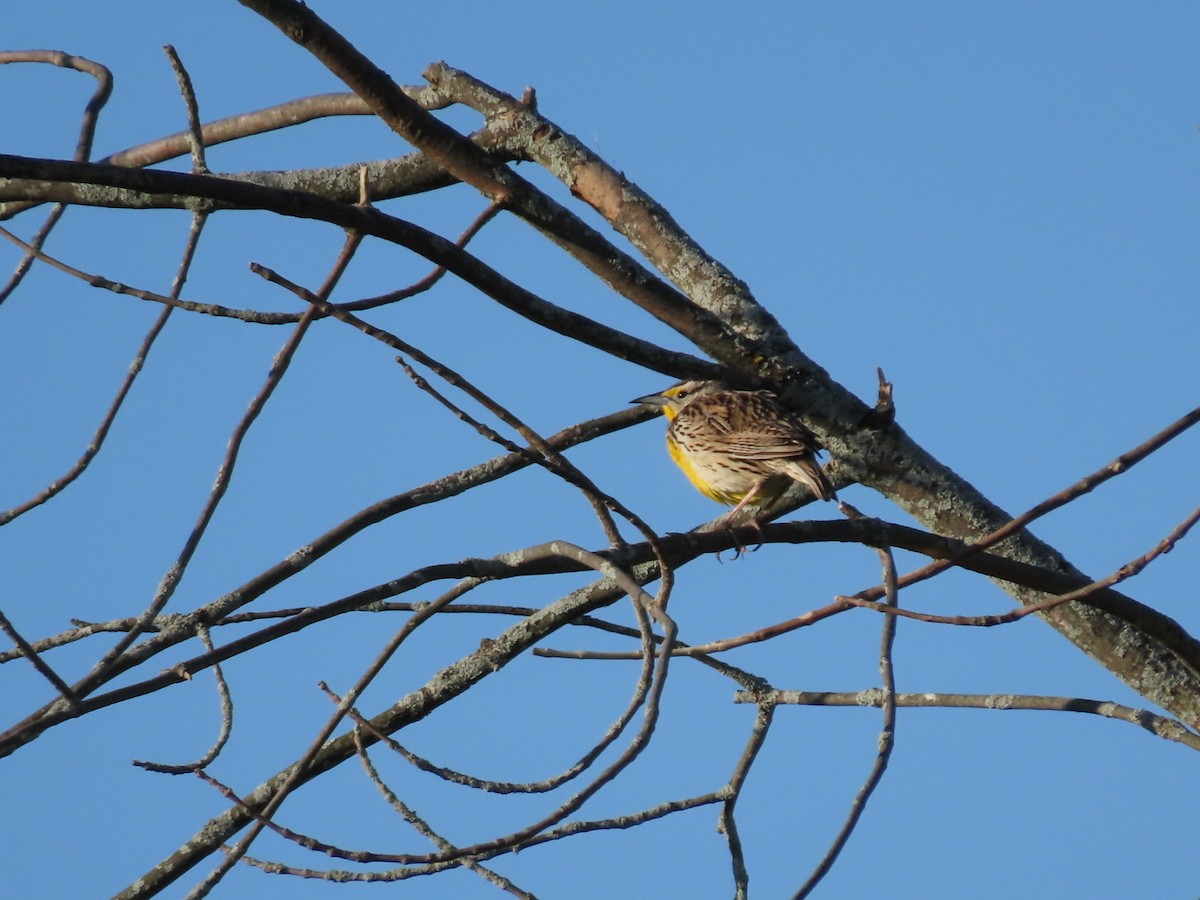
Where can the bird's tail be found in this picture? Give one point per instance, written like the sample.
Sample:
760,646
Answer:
809,472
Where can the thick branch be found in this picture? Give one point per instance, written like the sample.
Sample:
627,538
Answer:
879,455
467,162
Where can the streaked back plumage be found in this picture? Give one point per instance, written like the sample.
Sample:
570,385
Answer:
739,447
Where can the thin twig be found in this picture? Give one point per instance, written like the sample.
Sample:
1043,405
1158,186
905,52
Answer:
83,145
117,287
26,650
226,723
428,281
409,815
251,316
887,735
727,824
570,829
581,765
1160,726
55,487
195,130
296,772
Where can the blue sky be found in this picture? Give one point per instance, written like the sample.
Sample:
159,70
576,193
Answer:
996,203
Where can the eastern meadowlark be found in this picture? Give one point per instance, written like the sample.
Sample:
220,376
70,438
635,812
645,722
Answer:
738,447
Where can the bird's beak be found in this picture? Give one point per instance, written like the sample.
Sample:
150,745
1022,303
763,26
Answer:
651,400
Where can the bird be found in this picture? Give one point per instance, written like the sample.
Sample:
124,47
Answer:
740,448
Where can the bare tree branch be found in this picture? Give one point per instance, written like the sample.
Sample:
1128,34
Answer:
174,189
83,147
1159,726
887,736
884,458
675,280
866,448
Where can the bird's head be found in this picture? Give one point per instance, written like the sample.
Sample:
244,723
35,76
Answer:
676,397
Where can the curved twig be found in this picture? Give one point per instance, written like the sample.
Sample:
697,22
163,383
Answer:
83,146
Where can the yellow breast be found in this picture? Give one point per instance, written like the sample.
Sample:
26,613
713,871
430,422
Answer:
697,477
